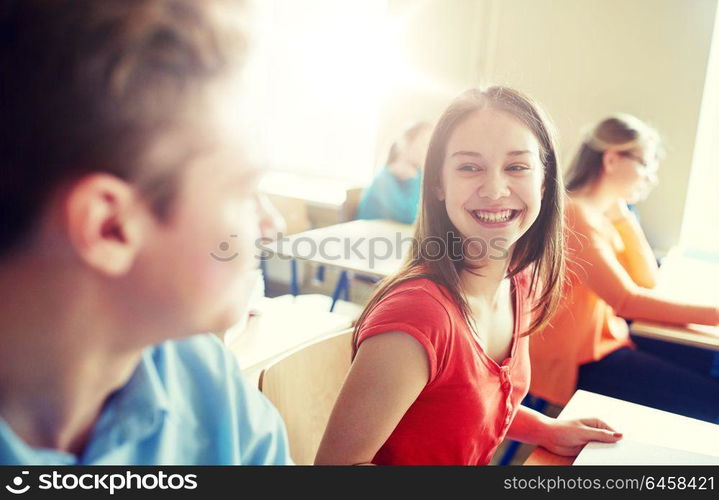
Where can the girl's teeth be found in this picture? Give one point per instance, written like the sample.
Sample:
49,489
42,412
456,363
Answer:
502,216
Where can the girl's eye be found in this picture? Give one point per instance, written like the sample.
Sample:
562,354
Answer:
469,168
517,168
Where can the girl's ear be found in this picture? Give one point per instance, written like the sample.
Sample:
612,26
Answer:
609,161
439,192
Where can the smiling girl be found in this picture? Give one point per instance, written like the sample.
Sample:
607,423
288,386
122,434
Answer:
441,352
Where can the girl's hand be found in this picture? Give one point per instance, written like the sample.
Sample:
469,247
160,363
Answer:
568,437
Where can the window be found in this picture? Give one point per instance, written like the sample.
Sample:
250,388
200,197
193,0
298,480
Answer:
700,229
316,78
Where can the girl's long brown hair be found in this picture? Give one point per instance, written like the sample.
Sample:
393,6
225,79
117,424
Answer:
541,246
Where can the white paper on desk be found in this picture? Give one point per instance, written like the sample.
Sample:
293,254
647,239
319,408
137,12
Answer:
627,452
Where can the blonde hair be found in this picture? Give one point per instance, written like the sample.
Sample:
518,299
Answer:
619,131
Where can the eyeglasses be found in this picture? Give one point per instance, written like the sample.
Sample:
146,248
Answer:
647,164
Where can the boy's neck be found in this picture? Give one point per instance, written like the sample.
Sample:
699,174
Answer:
58,363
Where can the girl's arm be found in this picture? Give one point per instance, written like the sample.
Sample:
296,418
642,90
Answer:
387,374
562,437
638,258
605,275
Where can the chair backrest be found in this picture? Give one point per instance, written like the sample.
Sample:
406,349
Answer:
294,211
349,207
304,386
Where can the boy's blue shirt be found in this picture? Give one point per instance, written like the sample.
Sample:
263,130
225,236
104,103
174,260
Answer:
390,198
186,403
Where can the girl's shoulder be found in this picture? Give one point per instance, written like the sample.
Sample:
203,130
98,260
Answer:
586,227
418,308
576,210
422,284
581,217
421,291
418,300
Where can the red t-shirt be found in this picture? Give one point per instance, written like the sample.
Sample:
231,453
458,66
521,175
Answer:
464,411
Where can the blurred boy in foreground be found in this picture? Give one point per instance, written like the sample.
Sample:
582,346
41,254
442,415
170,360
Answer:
123,168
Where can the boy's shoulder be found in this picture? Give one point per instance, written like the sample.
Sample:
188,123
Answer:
197,348
197,367
209,394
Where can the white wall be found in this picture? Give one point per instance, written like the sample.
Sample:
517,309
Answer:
438,43
313,82
582,59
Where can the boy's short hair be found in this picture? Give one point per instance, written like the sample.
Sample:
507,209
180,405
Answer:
87,85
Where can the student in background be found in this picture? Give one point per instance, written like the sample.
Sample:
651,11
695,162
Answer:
612,271
441,352
394,192
123,168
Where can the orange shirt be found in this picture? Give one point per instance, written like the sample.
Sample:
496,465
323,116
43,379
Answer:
469,402
611,271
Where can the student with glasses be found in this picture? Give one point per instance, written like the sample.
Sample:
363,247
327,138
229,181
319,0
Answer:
611,274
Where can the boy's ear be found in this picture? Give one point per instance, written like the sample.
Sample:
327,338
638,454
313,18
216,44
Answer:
105,222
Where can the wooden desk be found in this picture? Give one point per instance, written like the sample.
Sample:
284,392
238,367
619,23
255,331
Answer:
693,280
280,329
372,247
638,423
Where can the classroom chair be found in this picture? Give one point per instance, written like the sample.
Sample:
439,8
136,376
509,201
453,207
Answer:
297,220
349,207
304,386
